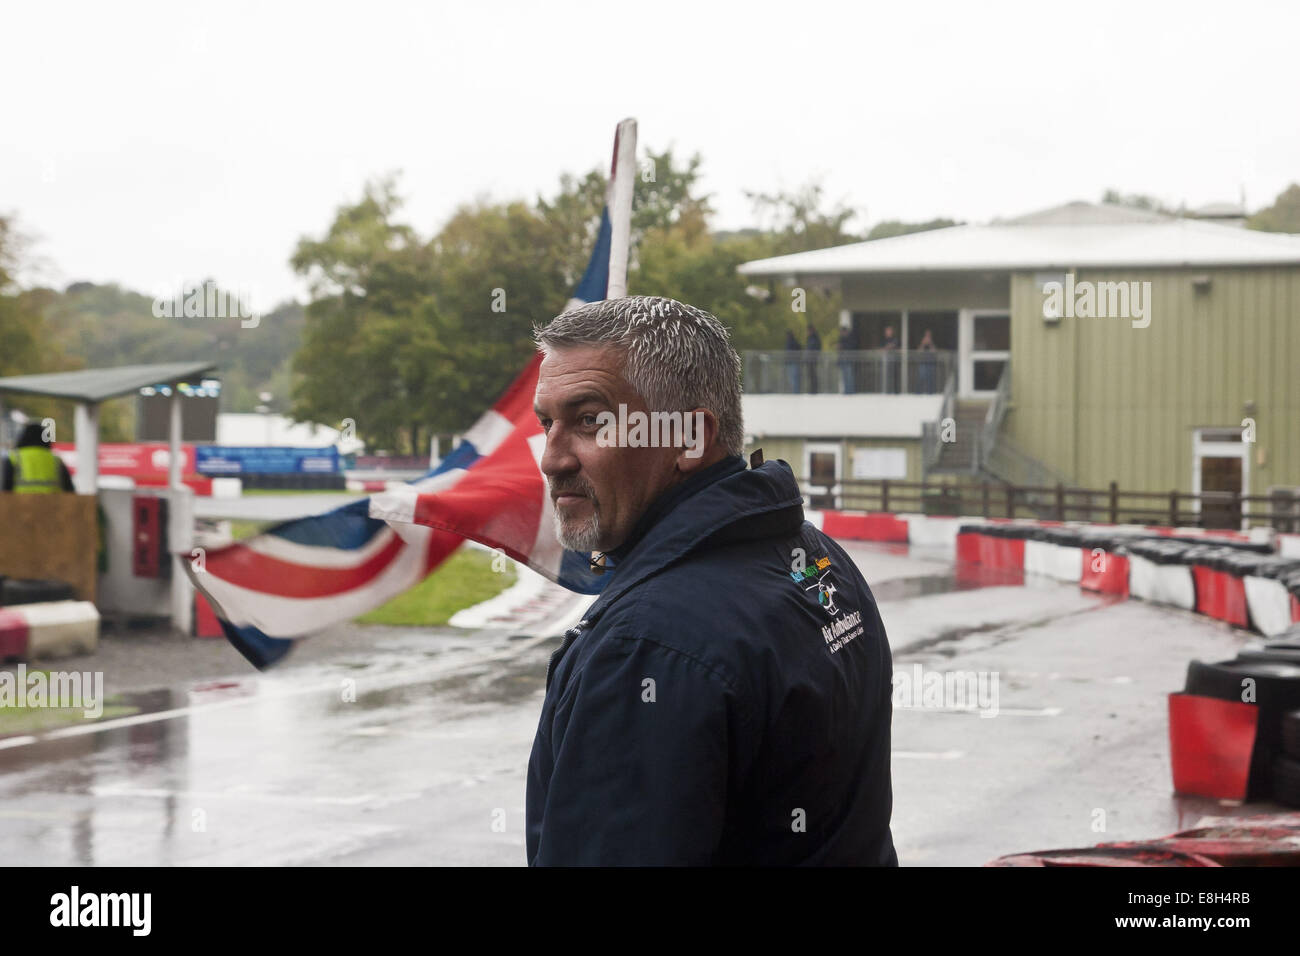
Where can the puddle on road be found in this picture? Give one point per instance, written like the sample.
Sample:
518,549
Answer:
961,578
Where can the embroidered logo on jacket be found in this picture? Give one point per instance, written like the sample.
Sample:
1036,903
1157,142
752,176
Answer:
816,577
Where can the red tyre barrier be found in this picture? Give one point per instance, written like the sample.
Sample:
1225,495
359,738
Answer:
1238,845
1233,598
1011,554
968,548
1112,576
1211,742
1220,595
1116,855
1295,608
868,527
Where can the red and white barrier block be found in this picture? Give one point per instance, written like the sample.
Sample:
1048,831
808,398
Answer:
1243,600
47,630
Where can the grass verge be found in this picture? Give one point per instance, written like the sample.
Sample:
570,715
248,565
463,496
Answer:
464,579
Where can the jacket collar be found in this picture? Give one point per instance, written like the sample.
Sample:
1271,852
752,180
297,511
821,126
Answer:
723,502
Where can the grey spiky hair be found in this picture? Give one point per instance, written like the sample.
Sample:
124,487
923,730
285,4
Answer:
675,356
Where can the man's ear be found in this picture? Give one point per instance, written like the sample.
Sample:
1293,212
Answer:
700,435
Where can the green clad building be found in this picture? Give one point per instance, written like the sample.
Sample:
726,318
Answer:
1084,344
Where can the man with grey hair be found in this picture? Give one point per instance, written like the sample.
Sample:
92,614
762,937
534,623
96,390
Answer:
727,698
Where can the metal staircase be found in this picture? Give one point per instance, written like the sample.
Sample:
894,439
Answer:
978,451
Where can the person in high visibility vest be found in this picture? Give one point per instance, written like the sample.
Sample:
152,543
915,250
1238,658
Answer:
32,469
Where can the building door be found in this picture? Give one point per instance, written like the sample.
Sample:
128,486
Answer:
821,463
985,349
1220,465
1221,474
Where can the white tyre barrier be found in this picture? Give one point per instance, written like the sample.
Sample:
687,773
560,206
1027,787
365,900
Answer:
1066,563
1269,604
1038,557
932,531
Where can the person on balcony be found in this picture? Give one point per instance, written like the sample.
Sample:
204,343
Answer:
848,342
925,364
792,361
813,344
890,360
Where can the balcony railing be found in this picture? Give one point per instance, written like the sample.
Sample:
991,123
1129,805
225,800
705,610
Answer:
860,372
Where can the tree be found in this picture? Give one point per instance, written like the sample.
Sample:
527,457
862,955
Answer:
29,345
797,221
1282,216
364,352
23,349
791,222
1140,201
889,228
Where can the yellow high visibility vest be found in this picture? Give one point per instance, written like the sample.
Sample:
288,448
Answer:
36,471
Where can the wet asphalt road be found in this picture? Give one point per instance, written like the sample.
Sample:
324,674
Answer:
415,752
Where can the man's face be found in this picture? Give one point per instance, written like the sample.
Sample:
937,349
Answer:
599,491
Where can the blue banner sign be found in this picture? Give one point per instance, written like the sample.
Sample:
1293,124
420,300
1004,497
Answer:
226,460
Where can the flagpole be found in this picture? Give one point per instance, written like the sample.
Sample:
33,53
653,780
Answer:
622,180
619,202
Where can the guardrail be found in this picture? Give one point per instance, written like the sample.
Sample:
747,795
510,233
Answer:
990,499
850,372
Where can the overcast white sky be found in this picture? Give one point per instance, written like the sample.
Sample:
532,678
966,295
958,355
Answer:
144,143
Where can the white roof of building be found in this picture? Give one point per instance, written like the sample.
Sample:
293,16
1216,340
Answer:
244,429
1074,235
838,416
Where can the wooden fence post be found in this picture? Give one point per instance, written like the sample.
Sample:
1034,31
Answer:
1011,501
1173,509
1114,502
884,494
1060,502
984,495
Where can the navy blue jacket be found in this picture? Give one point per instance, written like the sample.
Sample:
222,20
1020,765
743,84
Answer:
726,700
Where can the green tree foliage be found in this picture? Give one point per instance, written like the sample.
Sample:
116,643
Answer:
888,228
1140,201
797,222
1282,216
30,344
363,355
790,222
411,338
23,350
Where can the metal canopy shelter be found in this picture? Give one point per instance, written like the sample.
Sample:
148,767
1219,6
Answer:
89,387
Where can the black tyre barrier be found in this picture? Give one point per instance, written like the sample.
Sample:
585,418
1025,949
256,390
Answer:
1275,681
1158,550
1065,537
1275,566
1276,692
1291,734
33,591
1286,780
1250,547
1282,655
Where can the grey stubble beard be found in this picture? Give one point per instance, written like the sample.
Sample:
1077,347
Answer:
584,538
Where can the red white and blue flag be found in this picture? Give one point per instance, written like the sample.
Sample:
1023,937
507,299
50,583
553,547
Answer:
304,575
